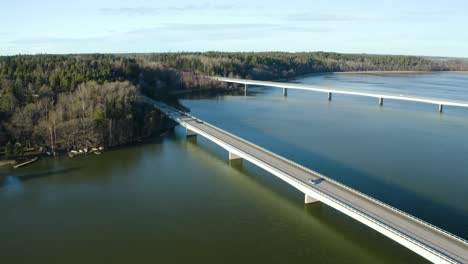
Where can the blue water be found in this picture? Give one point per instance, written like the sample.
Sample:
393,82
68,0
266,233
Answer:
178,200
440,85
404,153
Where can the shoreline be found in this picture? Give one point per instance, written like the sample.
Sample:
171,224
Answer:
396,72
369,72
292,79
5,163
8,162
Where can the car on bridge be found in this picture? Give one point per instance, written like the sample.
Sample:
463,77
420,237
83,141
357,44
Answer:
316,181
311,181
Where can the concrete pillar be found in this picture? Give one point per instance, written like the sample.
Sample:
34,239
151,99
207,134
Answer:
190,133
329,96
380,101
245,89
285,91
308,199
233,156
441,108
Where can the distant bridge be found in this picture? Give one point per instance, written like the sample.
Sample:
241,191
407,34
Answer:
380,96
431,242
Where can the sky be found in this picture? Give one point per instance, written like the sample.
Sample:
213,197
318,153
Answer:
410,27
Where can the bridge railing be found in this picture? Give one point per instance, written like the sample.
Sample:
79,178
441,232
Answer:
345,205
429,225
350,189
437,101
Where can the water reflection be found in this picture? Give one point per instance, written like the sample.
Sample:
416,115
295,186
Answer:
181,200
13,182
396,153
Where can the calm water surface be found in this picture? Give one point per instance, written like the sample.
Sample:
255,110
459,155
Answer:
175,200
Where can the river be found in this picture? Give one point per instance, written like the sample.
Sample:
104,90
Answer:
175,199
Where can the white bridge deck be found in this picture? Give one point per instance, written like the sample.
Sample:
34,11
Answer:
423,238
381,96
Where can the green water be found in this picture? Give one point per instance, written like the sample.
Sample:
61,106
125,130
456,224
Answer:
178,200
173,201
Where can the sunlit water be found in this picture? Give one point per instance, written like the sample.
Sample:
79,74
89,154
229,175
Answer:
175,200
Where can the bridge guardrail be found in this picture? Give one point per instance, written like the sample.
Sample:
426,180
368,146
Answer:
437,101
446,233
353,190
351,208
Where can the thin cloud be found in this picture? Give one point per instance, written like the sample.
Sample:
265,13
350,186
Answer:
48,40
194,32
172,33
130,11
150,11
215,28
211,32
326,17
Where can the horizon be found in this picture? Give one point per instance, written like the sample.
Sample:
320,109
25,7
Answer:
252,131
225,51
418,28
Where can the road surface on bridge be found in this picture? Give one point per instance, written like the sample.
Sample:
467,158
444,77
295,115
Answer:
423,238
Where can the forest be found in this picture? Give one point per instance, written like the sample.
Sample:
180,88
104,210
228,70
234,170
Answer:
282,65
63,102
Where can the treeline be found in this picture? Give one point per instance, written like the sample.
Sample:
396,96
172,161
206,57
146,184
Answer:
93,115
61,102
281,65
65,102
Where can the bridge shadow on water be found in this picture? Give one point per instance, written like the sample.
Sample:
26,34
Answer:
434,212
431,211
290,202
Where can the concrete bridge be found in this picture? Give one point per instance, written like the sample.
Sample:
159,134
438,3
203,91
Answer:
380,96
421,237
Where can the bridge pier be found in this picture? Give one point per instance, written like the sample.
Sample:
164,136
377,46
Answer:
190,133
424,239
329,96
441,108
233,156
246,87
308,199
285,91
380,101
